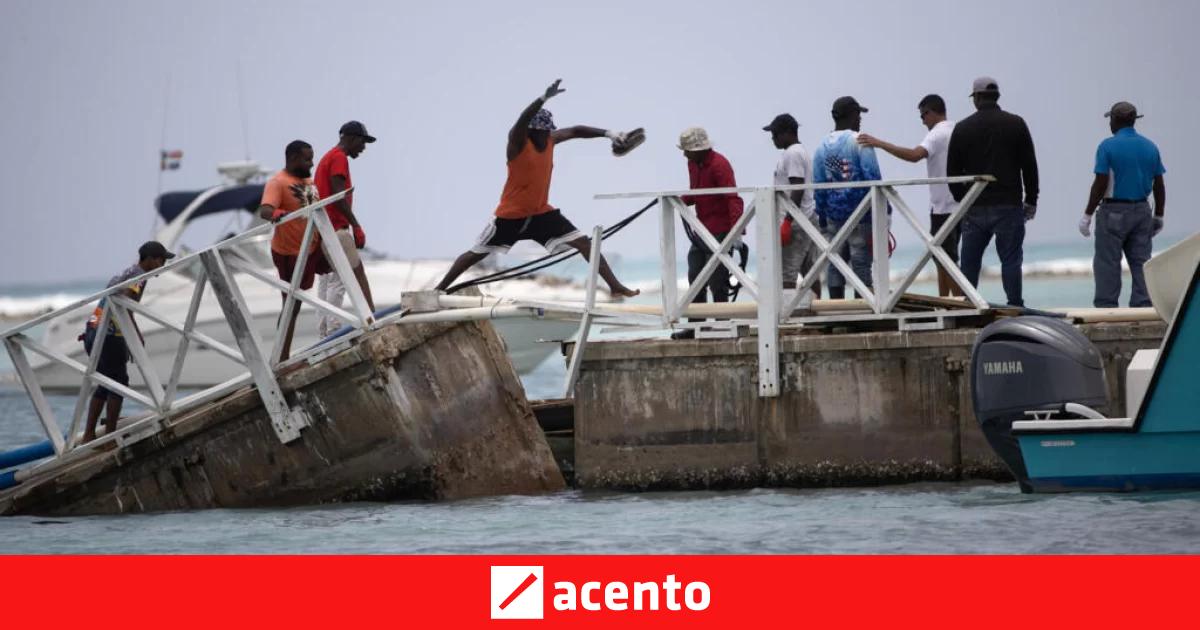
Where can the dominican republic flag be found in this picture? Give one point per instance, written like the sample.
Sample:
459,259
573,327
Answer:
170,160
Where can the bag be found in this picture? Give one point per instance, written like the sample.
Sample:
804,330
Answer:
88,338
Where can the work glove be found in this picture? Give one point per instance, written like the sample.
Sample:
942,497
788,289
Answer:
1158,225
553,90
1085,225
1030,212
278,214
360,237
785,232
625,141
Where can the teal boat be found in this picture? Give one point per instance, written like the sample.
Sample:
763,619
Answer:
1057,442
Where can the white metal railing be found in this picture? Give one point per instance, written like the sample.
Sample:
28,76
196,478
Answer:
774,305
160,395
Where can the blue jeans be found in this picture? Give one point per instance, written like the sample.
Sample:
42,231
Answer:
856,251
1121,228
1007,224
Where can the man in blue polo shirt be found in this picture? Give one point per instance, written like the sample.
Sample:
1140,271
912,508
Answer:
1128,169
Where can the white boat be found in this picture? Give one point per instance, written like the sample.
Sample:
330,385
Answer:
529,342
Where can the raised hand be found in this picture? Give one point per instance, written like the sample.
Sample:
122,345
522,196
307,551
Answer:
553,90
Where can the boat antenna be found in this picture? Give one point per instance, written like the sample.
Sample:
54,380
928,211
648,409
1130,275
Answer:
242,108
162,147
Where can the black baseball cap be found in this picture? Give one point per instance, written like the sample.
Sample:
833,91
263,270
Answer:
355,128
154,249
782,122
846,105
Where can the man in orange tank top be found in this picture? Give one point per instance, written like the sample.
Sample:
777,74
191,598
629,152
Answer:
524,211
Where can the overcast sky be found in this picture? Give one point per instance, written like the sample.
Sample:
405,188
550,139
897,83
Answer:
84,86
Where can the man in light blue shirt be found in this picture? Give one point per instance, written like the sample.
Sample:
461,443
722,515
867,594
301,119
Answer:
840,158
1128,169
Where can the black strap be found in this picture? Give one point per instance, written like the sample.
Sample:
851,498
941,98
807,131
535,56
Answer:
547,260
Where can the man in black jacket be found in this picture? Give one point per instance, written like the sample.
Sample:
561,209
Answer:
994,142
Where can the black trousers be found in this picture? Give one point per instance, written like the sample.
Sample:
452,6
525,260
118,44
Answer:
718,283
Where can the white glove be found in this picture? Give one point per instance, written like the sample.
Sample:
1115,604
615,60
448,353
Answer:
1085,225
1158,225
1030,211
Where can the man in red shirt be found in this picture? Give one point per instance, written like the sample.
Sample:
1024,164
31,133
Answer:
331,178
718,213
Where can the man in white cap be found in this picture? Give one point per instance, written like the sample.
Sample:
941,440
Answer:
997,143
718,213
524,212
1128,169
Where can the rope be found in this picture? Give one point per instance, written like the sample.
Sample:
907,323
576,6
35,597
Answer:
545,261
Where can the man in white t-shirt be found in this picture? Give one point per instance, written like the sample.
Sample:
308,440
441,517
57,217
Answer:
933,150
794,167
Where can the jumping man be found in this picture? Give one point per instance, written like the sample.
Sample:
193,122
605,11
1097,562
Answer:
524,211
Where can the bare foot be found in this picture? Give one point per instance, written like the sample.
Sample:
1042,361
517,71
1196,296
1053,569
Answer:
623,291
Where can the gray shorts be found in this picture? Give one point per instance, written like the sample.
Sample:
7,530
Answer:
799,255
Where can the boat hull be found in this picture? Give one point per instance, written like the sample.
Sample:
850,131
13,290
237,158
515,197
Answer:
1111,462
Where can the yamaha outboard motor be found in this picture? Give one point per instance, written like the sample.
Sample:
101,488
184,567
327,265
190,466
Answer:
1031,364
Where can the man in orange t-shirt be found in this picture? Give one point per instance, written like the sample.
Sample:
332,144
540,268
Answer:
525,211
288,191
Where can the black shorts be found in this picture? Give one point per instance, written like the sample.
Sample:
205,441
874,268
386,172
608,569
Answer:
551,229
113,363
950,245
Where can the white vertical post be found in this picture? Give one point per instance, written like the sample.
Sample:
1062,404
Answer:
286,421
87,386
181,353
881,270
141,358
341,264
40,405
770,286
585,324
286,315
666,247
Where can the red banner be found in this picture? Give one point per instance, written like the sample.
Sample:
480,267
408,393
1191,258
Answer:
596,591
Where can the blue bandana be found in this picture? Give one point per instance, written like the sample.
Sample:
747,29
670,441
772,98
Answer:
543,120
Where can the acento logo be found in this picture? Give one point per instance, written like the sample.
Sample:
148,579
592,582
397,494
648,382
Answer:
517,592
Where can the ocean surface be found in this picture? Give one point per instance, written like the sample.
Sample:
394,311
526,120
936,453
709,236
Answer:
916,518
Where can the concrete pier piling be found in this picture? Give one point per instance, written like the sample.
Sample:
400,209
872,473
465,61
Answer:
417,411
854,409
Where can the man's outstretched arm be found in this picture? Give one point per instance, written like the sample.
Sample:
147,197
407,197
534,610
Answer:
915,154
520,131
578,131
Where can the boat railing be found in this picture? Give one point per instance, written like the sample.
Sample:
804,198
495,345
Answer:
223,267
775,305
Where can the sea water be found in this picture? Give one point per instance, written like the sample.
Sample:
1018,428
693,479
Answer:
969,517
